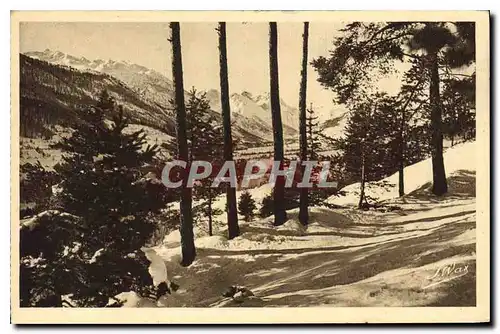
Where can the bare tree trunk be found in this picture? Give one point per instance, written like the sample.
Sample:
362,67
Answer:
186,212
362,190
210,230
232,213
439,186
304,200
402,140
279,188
402,155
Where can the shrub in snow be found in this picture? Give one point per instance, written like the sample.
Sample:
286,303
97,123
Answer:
246,206
292,226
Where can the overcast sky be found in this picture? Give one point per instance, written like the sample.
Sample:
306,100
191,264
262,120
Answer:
147,44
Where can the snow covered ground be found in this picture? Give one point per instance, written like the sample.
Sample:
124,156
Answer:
421,252
457,159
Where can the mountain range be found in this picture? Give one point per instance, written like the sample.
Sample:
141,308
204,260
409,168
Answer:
143,92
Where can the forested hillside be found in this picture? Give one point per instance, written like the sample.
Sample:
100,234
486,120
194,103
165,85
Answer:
55,94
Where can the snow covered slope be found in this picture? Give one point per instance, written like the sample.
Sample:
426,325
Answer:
345,256
334,126
457,158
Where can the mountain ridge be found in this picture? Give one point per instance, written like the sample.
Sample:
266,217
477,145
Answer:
252,119
158,88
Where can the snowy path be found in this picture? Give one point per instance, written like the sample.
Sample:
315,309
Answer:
345,258
421,253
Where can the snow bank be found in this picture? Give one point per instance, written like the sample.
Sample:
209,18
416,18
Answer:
215,241
293,226
459,157
36,220
157,269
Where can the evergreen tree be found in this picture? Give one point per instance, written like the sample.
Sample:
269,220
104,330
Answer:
246,206
432,38
304,203
186,227
291,201
366,51
93,250
364,147
232,213
412,101
280,215
459,108
35,187
49,268
313,135
205,140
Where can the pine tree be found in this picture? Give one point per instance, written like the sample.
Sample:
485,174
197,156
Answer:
365,147
459,108
291,201
304,203
246,206
232,213
432,38
93,249
36,187
313,135
412,102
364,51
46,271
205,140
186,226
280,215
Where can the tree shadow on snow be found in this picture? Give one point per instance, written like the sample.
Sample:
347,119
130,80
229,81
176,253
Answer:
293,270
369,261
271,272
462,184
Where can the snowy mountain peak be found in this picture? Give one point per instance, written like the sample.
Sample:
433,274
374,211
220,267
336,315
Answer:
252,113
109,66
150,84
247,95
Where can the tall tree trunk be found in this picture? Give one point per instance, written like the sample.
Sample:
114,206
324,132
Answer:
402,155
304,201
279,188
363,177
232,213
454,127
402,140
439,186
210,231
186,228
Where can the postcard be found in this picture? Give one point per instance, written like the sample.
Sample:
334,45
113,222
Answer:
251,167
